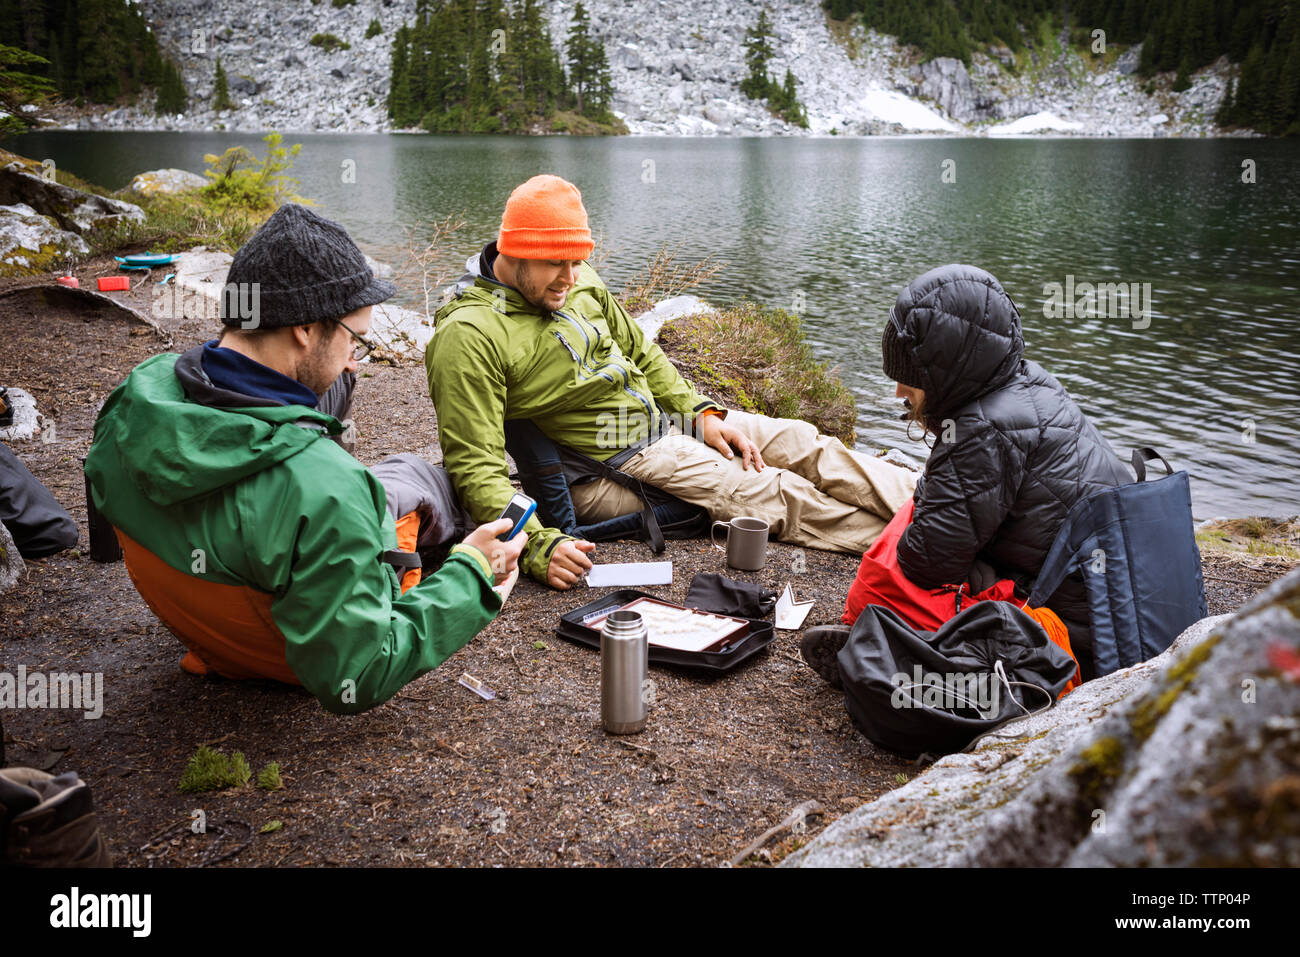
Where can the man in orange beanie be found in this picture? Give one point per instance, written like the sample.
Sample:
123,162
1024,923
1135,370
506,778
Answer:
534,334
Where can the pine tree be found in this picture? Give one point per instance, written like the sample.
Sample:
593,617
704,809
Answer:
221,90
399,90
19,88
602,84
172,97
582,55
758,52
792,109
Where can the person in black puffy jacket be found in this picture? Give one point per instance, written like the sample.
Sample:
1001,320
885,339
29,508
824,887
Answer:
1012,452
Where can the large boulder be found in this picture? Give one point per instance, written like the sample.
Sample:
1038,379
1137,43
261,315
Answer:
946,81
1184,760
75,210
32,244
165,181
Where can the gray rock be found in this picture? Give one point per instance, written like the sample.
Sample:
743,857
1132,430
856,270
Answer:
27,420
31,244
166,181
946,81
1128,61
75,211
244,86
12,566
630,57
1184,760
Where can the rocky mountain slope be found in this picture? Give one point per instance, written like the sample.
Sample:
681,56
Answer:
676,71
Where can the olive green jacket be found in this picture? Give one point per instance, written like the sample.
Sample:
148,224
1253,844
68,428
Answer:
585,374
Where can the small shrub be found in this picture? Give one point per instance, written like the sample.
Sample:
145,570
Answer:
242,181
373,29
329,42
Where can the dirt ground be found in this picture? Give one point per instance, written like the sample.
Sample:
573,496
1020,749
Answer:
436,775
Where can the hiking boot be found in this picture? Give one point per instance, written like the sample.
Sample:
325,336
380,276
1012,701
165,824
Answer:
821,646
48,821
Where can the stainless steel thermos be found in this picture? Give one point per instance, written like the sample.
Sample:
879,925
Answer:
624,660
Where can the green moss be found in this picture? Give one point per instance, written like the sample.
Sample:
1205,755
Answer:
210,770
268,779
1148,712
1098,767
47,259
239,769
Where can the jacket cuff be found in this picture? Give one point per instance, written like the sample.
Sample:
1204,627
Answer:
537,553
479,558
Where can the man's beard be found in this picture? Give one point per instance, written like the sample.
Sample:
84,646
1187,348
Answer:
533,294
314,370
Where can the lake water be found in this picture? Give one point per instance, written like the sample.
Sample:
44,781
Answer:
835,228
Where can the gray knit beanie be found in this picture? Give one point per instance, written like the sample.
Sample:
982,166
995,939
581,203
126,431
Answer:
305,269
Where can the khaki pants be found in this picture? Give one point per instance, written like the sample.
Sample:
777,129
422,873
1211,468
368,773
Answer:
813,492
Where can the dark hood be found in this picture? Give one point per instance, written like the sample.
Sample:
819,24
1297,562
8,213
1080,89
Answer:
963,332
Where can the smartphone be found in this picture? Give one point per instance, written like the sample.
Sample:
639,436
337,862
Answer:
519,510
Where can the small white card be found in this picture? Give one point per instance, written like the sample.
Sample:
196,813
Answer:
790,614
625,574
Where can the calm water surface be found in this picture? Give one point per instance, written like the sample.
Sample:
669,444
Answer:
835,228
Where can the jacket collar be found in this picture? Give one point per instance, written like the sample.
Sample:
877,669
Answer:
479,272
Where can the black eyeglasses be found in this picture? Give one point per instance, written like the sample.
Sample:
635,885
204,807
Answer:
363,347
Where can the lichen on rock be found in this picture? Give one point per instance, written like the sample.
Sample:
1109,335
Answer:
32,244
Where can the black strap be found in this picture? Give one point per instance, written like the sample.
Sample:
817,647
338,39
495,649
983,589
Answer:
1141,457
400,560
654,534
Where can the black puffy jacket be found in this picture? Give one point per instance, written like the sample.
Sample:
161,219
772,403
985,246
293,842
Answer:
1013,453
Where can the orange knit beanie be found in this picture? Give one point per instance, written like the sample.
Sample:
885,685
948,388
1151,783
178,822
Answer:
545,219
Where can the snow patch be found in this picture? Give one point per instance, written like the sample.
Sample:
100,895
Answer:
889,106
1034,123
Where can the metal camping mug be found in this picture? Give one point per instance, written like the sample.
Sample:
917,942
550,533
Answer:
624,660
746,542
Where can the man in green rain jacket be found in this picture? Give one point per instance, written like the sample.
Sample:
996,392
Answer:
258,541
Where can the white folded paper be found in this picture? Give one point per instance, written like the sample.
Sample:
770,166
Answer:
790,614
625,574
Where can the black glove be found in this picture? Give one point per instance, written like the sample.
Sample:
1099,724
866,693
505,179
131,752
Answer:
710,591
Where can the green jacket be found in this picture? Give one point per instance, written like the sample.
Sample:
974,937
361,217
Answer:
585,374
245,496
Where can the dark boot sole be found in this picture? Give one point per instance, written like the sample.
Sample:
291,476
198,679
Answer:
820,647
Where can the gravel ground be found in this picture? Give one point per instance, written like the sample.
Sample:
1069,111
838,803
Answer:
436,775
